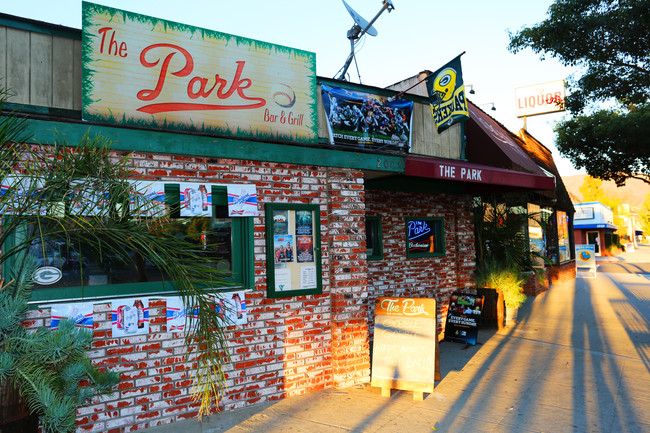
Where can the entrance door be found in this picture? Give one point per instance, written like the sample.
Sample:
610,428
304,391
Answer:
593,238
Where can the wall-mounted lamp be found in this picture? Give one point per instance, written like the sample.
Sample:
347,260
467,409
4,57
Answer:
471,89
489,103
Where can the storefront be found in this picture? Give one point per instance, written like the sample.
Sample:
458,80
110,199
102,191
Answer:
345,195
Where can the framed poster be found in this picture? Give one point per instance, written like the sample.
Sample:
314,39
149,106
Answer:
293,250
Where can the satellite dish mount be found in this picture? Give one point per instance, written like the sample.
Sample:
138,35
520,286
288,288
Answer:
360,28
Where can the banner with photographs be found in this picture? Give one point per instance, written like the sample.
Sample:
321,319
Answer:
367,121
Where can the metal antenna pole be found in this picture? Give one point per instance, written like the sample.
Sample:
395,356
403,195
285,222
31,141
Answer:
356,32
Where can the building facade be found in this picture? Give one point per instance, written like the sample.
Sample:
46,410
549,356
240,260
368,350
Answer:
361,183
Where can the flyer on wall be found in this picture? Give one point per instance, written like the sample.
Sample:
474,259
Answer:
81,313
130,317
283,249
305,249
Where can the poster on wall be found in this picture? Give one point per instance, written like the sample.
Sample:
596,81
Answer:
196,200
242,200
181,318
231,306
148,198
367,121
81,313
293,250
146,72
130,316
17,194
463,318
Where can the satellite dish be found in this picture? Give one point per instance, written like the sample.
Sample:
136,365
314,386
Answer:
361,22
360,28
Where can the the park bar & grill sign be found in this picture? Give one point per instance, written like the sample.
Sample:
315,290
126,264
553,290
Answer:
145,72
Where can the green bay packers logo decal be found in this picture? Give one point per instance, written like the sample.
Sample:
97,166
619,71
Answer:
444,85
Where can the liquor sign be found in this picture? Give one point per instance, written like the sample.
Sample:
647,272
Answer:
146,72
404,352
540,99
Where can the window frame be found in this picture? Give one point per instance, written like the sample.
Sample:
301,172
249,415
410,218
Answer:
374,225
242,262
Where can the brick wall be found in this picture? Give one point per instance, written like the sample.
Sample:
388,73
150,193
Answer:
289,346
434,277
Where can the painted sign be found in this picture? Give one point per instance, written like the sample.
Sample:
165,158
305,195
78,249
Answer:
146,72
586,260
367,121
404,347
539,99
463,318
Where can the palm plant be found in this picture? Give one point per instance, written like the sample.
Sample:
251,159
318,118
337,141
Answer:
47,366
48,183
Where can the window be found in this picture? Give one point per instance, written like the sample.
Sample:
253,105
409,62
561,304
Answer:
374,238
105,276
564,252
425,237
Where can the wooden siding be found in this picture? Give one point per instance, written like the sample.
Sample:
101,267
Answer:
40,69
45,70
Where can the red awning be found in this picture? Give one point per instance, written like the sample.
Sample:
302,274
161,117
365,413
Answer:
460,171
490,143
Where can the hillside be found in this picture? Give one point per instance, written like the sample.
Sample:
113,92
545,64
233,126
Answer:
634,192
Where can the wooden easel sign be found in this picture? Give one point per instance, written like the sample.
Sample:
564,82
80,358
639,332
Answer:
405,354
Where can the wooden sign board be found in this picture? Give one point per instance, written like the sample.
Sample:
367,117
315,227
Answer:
405,349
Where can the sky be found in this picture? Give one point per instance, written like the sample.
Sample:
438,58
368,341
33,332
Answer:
416,35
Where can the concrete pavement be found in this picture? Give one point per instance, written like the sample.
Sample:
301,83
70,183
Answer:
578,360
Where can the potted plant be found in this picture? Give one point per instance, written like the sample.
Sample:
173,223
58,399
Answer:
508,284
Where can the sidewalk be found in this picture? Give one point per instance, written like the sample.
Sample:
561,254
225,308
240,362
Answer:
578,360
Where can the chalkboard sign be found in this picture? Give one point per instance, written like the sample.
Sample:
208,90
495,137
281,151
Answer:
463,317
405,345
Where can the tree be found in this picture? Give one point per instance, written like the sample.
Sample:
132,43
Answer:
610,42
592,190
37,206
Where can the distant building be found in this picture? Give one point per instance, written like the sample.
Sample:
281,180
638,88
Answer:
593,223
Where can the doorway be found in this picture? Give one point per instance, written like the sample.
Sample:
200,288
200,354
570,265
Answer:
593,238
